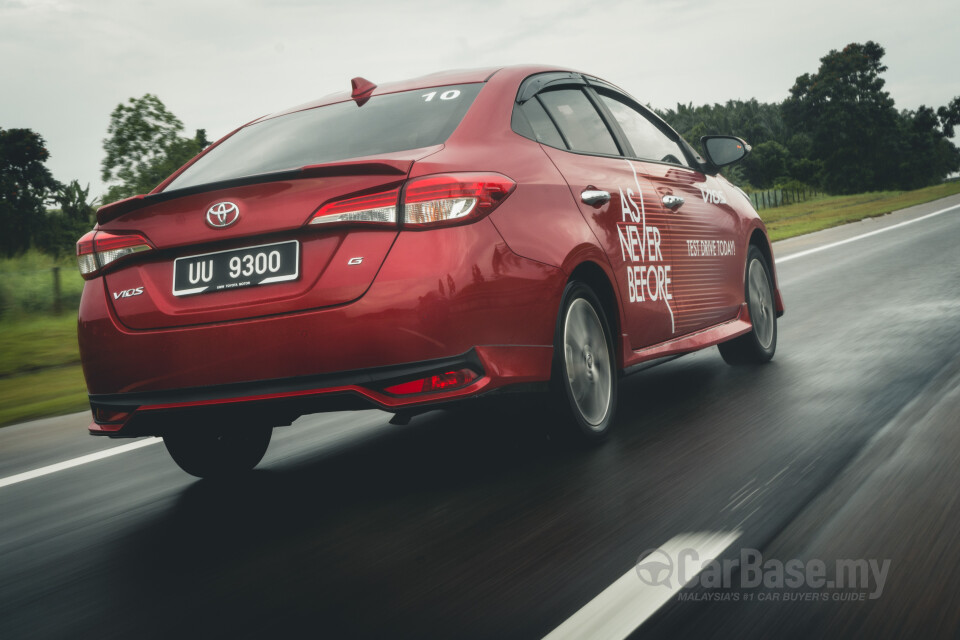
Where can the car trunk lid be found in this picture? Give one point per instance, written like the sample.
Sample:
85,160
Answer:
334,265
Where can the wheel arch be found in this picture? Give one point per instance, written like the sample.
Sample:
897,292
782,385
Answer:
593,275
760,240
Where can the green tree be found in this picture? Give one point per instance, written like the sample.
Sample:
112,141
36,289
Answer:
25,185
766,164
949,116
851,120
756,122
64,226
144,147
838,130
924,153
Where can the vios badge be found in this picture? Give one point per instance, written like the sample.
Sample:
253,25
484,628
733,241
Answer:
129,293
222,214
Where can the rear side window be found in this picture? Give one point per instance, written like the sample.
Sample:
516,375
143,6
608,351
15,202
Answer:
384,124
543,128
579,122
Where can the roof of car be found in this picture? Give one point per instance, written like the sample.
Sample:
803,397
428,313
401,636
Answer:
438,79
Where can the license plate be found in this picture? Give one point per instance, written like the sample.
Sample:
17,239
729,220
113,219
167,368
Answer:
236,268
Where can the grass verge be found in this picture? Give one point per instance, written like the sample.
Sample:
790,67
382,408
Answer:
27,284
831,211
38,343
39,361
51,392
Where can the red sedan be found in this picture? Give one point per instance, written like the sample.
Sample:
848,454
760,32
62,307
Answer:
412,245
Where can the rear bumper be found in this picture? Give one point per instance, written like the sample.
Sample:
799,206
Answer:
276,402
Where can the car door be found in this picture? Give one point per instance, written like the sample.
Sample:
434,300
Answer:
618,204
706,272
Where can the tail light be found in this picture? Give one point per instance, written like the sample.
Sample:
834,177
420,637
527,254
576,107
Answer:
439,382
453,198
377,208
430,201
98,249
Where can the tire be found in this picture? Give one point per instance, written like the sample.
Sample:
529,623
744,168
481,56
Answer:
759,345
585,379
207,454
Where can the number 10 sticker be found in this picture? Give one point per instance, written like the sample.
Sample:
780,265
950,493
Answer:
452,94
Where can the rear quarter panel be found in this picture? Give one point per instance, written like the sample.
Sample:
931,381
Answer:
540,220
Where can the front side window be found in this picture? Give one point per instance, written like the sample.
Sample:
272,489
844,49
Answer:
579,122
647,140
383,124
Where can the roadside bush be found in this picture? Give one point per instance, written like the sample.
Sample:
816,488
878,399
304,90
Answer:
26,285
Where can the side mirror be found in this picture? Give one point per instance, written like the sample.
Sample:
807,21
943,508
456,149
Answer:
724,150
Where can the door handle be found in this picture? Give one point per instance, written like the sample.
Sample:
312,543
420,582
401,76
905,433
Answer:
672,202
595,197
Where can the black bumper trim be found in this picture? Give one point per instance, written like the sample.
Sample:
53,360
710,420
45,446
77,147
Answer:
374,378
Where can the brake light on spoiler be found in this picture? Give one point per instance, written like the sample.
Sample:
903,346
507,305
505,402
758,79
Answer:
97,250
426,202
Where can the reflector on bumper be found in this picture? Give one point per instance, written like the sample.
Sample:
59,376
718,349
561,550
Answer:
439,382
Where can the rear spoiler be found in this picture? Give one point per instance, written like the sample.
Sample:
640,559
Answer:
116,209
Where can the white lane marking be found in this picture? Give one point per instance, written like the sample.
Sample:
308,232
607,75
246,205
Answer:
807,252
76,462
628,602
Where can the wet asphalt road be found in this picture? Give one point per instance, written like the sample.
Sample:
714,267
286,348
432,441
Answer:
463,526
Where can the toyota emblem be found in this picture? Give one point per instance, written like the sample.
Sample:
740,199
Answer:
222,214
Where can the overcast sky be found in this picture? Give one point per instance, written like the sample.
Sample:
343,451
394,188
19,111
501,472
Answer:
65,64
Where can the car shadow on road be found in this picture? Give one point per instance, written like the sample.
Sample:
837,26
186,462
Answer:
438,513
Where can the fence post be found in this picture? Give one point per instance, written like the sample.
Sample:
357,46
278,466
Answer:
57,297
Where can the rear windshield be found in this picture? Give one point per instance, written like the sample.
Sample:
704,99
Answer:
383,124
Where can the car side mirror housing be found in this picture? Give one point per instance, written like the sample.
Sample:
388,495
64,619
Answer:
724,150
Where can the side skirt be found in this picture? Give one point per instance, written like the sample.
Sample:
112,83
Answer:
665,351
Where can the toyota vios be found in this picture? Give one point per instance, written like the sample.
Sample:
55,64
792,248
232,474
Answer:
412,245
